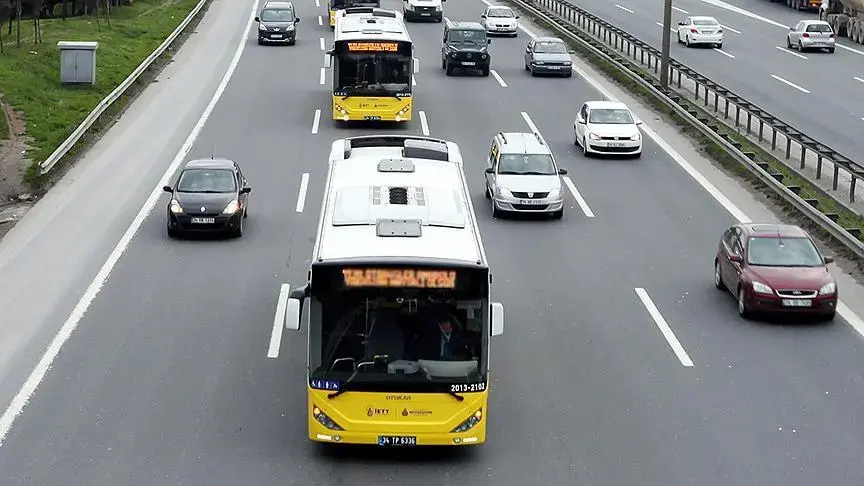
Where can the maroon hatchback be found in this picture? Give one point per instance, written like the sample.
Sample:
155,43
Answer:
775,268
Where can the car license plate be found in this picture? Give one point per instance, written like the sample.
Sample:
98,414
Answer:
397,440
372,117
425,14
276,36
468,63
614,144
797,302
531,201
203,220
554,67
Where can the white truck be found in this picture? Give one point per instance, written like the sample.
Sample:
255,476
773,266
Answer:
846,18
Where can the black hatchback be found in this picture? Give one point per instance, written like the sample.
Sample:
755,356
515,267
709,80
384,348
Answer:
211,195
277,23
466,46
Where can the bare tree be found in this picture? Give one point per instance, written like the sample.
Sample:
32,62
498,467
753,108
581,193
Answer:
19,7
5,10
37,20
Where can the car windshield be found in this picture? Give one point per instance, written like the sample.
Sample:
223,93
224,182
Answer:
704,22
526,164
610,116
783,252
550,48
206,180
471,38
823,28
500,13
277,15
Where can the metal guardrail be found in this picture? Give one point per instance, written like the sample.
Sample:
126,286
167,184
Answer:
596,34
64,148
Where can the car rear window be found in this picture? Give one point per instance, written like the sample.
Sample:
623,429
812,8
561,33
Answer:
825,29
705,22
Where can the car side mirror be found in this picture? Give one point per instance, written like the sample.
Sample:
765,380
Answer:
562,171
490,170
246,190
168,189
517,16
257,19
828,259
735,258
580,120
483,16
488,41
497,318
297,20
638,122
791,28
527,49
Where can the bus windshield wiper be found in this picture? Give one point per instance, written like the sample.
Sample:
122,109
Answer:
342,389
457,396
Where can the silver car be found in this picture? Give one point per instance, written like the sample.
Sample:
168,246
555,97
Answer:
522,176
811,34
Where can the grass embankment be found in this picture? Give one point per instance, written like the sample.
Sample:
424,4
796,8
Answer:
4,127
803,187
30,77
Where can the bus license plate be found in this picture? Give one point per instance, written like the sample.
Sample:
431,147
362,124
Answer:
531,201
372,118
796,302
203,220
397,440
468,63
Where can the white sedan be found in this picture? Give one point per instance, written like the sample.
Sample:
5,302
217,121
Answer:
607,127
700,30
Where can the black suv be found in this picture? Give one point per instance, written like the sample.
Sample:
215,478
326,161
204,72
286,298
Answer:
276,23
466,46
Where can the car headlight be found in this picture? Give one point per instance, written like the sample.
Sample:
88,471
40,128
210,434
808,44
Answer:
636,136
262,27
828,289
761,288
568,63
593,136
438,8
324,420
539,63
175,207
290,27
409,7
554,193
505,192
231,208
468,424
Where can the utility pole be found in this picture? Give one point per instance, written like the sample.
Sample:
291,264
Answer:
667,39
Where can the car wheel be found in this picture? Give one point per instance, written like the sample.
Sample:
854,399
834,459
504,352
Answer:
558,214
830,50
449,69
238,231
534,74
484,72
788,42
829,317
679,38
637,155
575,138
720,46
260,41
743,309
495,212
569,74
800,46
687,40
172,232
443,63
718,276
584,147
487,194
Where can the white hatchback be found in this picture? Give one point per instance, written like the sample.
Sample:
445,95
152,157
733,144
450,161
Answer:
607,127
700,30
498,19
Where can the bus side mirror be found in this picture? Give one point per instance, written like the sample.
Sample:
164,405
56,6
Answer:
294,309
497,318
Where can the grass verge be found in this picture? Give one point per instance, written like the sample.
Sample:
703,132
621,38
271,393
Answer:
4,124
29,76
804,188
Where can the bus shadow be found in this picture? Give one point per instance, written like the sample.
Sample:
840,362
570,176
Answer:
378,125
349,454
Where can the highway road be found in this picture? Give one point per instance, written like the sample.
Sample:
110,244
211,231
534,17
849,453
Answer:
166,379
813,91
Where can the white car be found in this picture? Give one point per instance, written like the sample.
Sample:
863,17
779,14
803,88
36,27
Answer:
607,127
811,34
700,30
498,19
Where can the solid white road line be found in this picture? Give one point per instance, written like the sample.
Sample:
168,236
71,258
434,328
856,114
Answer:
316,121
860,80
498,78
680,10
787,51
322,76
664,327
730,29
38,374
624,8
320,21
278,321
424,124
721,51
321,39
301,196
789,83
583,205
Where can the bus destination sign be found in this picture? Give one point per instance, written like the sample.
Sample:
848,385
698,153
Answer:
373,47
399,277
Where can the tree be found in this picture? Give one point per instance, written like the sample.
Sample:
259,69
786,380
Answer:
5,13
37,17
19,6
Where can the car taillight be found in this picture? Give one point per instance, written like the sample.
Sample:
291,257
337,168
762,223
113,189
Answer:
805,34
719,31
694,30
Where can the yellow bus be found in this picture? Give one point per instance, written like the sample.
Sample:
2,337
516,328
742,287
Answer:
398,299
334,6
372,63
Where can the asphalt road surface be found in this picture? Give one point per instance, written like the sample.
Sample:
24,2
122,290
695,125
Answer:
816,92
166,379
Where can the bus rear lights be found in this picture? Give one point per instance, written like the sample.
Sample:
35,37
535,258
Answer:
402,112
324,420
468,424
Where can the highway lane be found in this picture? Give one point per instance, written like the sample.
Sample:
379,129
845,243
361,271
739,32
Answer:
180,389
802,96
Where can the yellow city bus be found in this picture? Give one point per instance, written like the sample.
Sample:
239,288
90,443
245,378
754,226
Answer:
334,6
372,63
398,299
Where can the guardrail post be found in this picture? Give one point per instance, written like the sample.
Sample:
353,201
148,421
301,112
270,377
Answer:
706,96
697,90
726,109
818,166
836,177
679,79
788,147
852,188
773,138
737,116
804,157
749,122
716,102
761,128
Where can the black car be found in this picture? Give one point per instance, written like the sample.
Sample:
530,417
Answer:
276,23
548,55
466,46
211,195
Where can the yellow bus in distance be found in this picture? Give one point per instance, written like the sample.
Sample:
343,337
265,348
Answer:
398,299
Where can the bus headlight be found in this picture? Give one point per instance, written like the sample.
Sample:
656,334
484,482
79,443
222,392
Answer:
468,424
324,420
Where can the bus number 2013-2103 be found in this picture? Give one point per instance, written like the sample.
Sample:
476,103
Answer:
467,387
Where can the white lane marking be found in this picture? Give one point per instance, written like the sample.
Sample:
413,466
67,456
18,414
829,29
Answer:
38,374
530,123
301,196
746,13
721,51
424,124
278,321
845,312
860,80
320,21
787,51
730,29
322,76
321,41
498,78
316,121
326,60
583,205
680,10
624,8
856,51
664,327
790,83
318,3
670,28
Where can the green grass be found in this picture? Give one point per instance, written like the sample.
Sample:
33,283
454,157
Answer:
4,127
826,205
30,78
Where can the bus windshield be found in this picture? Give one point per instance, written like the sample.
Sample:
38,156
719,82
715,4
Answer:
398,329
372,68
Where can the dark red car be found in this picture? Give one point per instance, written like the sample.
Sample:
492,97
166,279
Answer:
775,268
